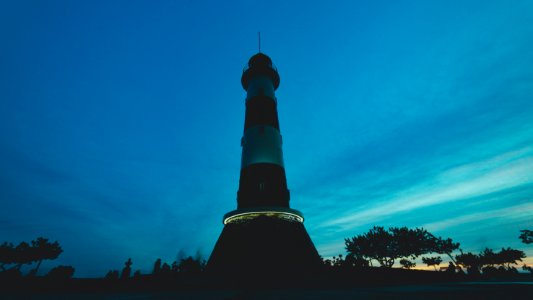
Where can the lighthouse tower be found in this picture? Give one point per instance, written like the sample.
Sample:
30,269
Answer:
263,235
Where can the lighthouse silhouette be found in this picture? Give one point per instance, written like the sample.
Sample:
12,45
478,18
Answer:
263,236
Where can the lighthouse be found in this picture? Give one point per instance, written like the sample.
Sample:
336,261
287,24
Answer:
264,234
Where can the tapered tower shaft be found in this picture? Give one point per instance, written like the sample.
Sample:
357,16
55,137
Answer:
262,181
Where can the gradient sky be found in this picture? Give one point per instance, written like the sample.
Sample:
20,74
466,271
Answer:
120,121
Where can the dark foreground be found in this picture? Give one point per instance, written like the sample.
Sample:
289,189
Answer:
372,283
438,291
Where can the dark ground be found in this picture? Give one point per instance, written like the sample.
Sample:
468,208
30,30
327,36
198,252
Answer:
437,291
371,283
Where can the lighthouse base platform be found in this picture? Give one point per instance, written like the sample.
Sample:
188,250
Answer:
264,246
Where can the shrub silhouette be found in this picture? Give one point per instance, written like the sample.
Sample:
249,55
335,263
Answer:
357,262
61,272
432,261
407,264
112,275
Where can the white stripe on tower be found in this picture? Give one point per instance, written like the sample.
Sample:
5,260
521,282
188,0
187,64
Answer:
261,144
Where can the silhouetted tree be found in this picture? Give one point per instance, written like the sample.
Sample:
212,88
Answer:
174,267
488,258
470,261
526,236
358,248
385,246
41,249
510,257
444,246
407,264
451,268
137,274
432,261
190,266
376,244
127,269
412,242
23,255
165,270
157,266
61,272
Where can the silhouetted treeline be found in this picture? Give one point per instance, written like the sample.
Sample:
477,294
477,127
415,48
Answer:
365,252
490,262
182,266
403,245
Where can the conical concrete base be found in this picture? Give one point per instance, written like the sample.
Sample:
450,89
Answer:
264,246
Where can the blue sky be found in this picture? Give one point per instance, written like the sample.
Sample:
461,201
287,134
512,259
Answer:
120,121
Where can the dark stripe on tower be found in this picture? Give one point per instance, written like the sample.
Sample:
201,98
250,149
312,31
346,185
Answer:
263,184
261,110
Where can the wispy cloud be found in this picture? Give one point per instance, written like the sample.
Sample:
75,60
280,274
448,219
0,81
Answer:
522,211
499,173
